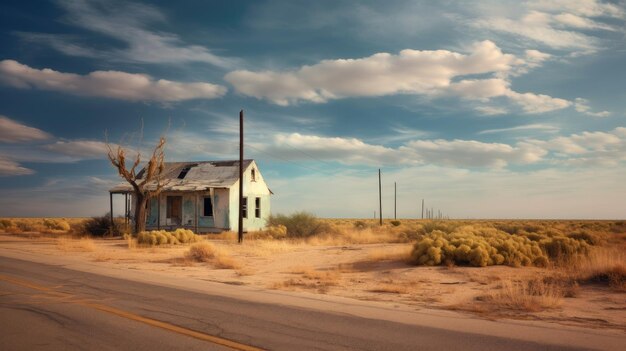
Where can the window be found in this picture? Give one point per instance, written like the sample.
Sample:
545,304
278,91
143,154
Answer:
208,207
253,175
244,207
183,173
186,170
257,207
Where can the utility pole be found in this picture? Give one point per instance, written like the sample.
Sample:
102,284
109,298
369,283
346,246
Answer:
395,200
422,208
240,227
380,198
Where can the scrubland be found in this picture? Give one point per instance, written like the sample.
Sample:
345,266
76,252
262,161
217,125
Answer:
571,272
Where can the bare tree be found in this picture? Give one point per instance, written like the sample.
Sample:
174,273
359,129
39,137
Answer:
139,181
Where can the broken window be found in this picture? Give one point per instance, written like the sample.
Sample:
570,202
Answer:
185,170
244,207
183,173
208,207
257,207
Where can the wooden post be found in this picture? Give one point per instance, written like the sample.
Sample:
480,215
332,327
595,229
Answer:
158,212
395,201
125,212
111,213
380,199
240,222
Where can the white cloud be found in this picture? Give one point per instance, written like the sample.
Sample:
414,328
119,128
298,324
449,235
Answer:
109,84
587,149
450,153
582,105
491,110
571,20
128,23
588,8
542,127
11,168
14,132
79,149
472,153
537,103
558,24
410,72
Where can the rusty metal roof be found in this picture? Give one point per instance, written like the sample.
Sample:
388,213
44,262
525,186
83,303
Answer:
193,176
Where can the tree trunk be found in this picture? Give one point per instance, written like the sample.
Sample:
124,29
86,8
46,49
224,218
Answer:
141,200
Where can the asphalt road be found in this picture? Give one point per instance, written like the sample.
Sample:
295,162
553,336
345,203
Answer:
48,307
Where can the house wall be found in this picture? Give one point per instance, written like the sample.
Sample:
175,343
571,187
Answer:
192,206
251,190
225,206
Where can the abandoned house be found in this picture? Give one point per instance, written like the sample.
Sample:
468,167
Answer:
204,197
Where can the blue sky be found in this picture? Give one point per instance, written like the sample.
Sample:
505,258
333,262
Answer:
486,109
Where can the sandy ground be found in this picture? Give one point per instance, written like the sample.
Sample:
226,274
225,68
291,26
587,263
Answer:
370,272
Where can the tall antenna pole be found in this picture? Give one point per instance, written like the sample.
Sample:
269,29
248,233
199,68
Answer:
395,201
380,199
240,223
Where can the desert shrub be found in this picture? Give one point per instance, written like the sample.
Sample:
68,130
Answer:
299,224
25,225
395,223
270,232
589,238
6,223
360,225
477,247
56,224
207,252
99,226
443,226
162,237
563,249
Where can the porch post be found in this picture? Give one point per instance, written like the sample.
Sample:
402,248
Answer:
159,212
196,221
111,213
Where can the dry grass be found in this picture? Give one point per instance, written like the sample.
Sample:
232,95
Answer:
602,266
218,257
526,295
320,280
266,248
75,245
390,286
396,253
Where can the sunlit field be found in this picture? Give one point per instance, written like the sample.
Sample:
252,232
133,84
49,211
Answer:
559,270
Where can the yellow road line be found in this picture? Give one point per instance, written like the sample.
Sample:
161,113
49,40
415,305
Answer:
129,315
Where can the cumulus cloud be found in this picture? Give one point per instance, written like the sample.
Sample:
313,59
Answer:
558,24
108,84
587,148
79,149
540,127
424,72
451,153
582,105
14,132
11,168
129,23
